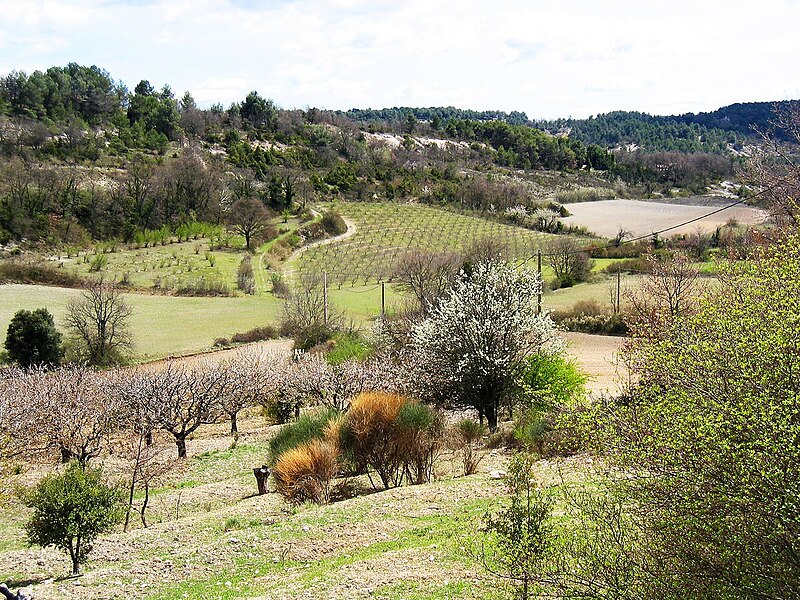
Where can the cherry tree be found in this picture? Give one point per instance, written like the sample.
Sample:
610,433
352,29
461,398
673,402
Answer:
71,410
469,351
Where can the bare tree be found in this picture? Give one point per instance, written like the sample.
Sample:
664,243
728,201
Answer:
250,218
426,275
315,381
70,411
247,379
774,170
568,262
669,291
99,323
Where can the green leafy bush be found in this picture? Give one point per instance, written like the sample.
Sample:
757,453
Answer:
32,339
348,346
333,223
71,509
305,429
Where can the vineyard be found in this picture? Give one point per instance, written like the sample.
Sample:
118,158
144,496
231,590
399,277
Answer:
385,232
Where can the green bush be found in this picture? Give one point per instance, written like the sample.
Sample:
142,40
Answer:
333,223
71,509
305,429
348,346
419,433
519,537
32,339
552,380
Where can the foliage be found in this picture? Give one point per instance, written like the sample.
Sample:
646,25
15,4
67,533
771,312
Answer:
307,428
71,509
469,351
395,436
568,262
653,133
552,380
348,346
707,437
333,223
519,537
32,339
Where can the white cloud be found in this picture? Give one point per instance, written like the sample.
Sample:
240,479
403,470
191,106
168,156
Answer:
547,57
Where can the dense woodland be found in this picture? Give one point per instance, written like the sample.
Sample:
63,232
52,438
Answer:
85,158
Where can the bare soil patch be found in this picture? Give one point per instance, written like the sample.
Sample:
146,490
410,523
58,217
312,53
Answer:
605,217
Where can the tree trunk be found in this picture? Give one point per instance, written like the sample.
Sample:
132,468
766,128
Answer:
491,416
76,555
144,503
234,424
181,444
66,455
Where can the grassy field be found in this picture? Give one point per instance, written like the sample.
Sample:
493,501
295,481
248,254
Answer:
211,537
387,231
161,325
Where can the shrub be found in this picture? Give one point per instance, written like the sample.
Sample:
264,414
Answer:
245,279
21,270
305,473
466,434
305,429
197,287
589,316
280,289
368,433
257,334
520,534
333,223
348,346
552,380
552,386
71,509
395,436
418,435
32,339
99,262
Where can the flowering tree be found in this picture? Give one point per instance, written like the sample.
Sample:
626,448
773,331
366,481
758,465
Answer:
71,410
468,352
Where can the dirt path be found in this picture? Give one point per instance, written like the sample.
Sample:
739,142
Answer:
288,271
597,356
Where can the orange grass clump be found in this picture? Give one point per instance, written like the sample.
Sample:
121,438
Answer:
305,473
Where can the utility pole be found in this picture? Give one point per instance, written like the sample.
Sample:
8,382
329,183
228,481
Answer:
541,282
325,294
618,290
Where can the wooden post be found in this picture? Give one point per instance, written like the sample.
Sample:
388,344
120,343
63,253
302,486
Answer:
325,295
383,299
618,290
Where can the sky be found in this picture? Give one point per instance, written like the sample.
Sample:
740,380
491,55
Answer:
547,58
